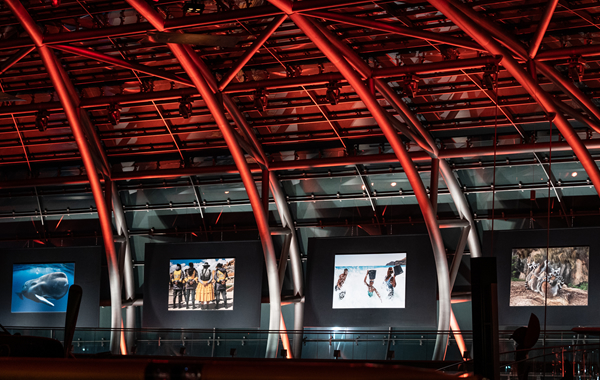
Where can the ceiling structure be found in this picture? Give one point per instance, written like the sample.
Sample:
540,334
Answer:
505,93
283,90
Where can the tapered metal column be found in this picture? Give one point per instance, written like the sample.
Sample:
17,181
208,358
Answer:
127,268
282,207
455,191
240,160
412,174
77,128
468,25
404,111
98,153
462,205
295,261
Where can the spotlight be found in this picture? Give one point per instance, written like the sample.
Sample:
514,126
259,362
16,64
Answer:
490,73
574,174
185,108
55,3
260,99
450,54
114,114
410,85
393,184
193,6
333,93
576,68
41,120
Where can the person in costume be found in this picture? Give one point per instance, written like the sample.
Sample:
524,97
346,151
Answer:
205,292
390,281
370,288
177,286
340,283
221,284
341,280
191,282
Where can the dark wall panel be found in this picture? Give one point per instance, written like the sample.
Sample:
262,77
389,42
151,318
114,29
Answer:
420,310
249,265
87,275
556,316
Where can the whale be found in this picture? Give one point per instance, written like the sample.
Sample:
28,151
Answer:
51,286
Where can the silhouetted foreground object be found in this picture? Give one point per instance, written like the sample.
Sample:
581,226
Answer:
75,294
484,297
526,338
211,369
14,346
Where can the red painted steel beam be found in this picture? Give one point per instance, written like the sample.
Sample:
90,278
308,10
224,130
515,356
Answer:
9,62
384,73
319,79
468,25
565,53
569,88
175,23
521,52
420,157
88,53
72,112
412,174
216,109
231,107
541,29
396,29
249,53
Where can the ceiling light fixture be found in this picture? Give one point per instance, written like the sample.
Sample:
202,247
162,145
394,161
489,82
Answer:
410,85
333,93
393,184
574,174
114,114
576,68
193,6
490,75
41,120
185,107
261,100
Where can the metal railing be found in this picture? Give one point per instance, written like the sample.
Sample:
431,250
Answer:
560,347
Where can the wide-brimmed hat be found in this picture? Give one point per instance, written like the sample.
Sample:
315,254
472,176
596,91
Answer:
206,265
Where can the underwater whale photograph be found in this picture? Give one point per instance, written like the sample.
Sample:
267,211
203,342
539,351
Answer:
41,288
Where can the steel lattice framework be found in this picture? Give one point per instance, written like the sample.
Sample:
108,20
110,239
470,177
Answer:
104,92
